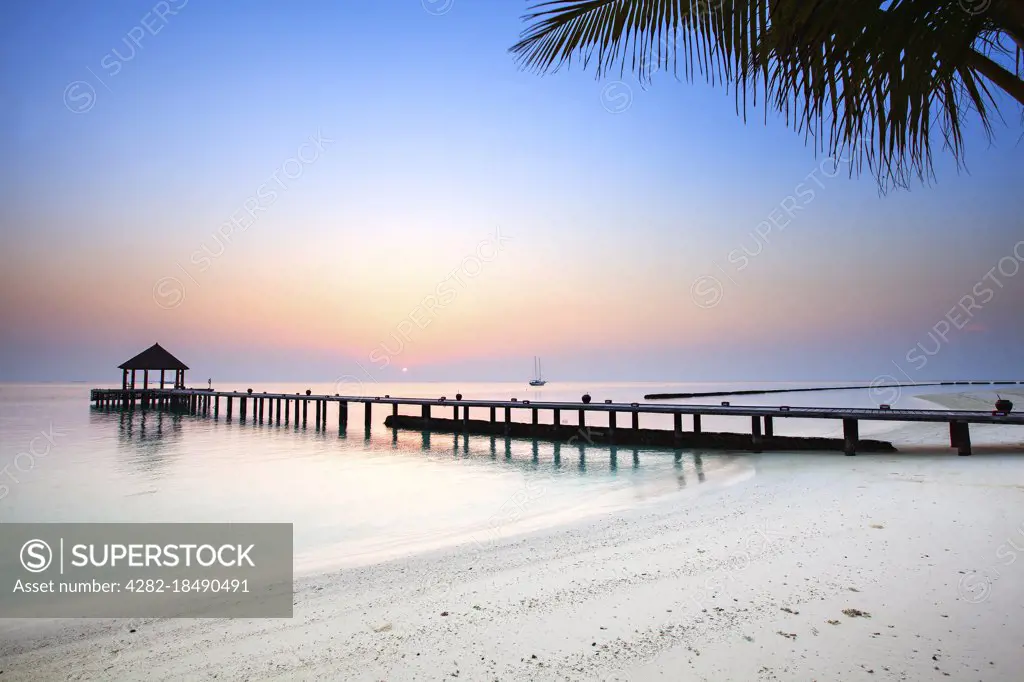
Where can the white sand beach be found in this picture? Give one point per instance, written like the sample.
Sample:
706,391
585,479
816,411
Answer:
819,567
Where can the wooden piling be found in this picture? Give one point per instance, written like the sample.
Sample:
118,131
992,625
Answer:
556,416
769,427
611,427
316,423
677,428
636,420
494,414
963,438
755,433
243,406
305,411
536,417
230,400
851,434
583,419
508,420
696,423
342,415
367,415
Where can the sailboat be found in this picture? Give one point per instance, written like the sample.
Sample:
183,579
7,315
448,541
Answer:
538,379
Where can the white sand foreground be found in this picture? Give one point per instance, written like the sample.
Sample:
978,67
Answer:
744,582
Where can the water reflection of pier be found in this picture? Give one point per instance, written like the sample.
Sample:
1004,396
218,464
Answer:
581,453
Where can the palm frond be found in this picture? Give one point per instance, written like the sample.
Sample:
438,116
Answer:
862,79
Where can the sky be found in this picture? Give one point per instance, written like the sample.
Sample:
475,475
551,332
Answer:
308,190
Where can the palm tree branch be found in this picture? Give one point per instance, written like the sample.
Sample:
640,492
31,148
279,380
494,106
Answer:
854,77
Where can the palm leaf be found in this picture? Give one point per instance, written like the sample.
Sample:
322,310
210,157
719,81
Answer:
861,79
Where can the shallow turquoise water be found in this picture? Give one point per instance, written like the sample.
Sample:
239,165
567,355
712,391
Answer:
357,496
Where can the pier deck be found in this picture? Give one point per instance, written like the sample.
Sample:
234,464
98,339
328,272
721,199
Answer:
207,401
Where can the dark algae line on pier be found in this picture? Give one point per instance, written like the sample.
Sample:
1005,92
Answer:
628,436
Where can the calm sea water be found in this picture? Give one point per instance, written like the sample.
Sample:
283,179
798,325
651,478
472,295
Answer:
359,496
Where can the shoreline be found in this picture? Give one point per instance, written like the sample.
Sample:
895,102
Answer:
739,582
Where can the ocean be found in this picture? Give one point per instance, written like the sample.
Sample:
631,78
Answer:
360,497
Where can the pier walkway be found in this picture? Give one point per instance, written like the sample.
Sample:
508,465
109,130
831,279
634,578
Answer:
270,406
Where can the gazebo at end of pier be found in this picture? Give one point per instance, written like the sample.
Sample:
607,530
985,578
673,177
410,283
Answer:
155,358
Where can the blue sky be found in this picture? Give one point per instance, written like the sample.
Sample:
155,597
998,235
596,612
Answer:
613,212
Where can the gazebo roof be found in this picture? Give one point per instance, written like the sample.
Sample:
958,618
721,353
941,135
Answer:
154,357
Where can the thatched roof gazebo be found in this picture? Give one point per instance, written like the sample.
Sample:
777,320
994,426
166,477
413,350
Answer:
153,358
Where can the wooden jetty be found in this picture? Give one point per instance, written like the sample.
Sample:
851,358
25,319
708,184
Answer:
296,409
